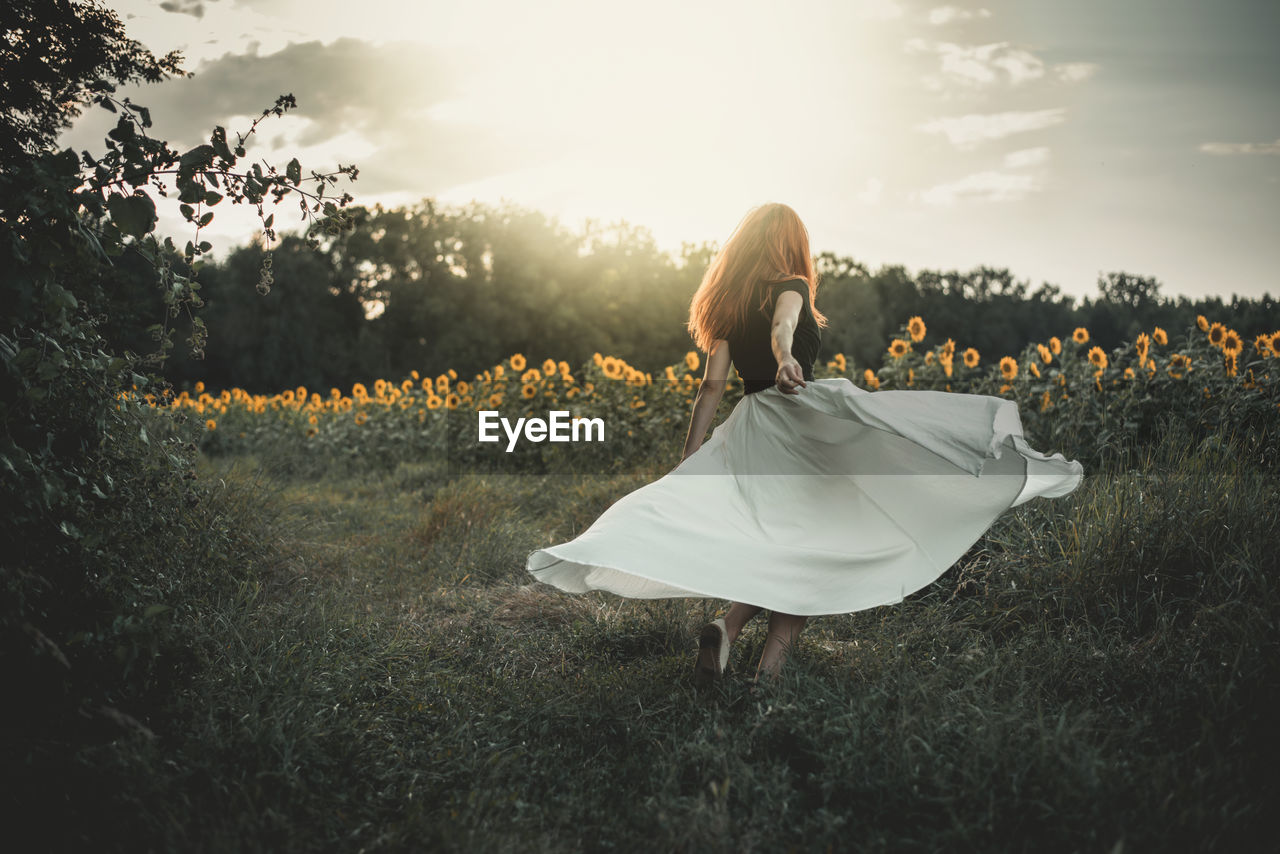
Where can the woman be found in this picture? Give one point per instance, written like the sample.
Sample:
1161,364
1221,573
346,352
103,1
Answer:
813,496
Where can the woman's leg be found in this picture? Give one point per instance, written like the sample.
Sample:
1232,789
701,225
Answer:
784,631
739,615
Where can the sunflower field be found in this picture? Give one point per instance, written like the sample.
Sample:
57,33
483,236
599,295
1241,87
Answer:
1073,397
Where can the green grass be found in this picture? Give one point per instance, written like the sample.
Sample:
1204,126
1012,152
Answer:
1099,673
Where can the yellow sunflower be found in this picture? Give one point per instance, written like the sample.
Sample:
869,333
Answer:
1046,355
929,357
946,360
1142,346
211,424
1217,332
1232,345
1262,345
452,400
1055,345
434,401
1202,323
949,348
1231,364
1097,358
531,376
871,379
361,418
1008,368
899,348
1046,400
1128,373
916,328
1035,370
549,367
612,368
528,390
1160,336
495,400
971,358
1178,365
517,362
691,359
1081,335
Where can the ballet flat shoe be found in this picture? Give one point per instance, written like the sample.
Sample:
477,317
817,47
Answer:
713,652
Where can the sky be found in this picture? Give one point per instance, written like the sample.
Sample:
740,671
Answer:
1059,140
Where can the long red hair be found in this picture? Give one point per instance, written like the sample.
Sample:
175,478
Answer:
770,245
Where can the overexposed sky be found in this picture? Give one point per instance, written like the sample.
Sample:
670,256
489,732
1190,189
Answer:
1059,140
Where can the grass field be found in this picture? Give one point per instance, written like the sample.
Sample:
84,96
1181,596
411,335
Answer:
1099,673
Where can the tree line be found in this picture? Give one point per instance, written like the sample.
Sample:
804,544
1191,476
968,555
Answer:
429,288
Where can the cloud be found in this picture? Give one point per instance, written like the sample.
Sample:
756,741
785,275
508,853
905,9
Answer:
943,15
982,187
1026,157
970,130
194,8
1074,72
374,105
1241,147
981,65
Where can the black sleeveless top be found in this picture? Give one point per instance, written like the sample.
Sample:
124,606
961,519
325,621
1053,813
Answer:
750,344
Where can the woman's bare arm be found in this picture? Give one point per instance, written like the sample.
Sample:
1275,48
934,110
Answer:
710,390
786,314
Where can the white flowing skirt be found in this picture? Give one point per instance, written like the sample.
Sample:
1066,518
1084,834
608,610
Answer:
830,501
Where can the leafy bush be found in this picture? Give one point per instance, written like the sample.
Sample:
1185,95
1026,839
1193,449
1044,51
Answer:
96,489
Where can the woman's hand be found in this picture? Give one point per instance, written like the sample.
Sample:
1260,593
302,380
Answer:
790,376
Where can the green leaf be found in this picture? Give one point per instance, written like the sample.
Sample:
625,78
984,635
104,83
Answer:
206,219
135,215
294,171
211,198
266,223
187,211
200,157
219,143
123,131
155,610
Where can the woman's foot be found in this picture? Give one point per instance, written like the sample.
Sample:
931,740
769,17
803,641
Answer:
713,653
